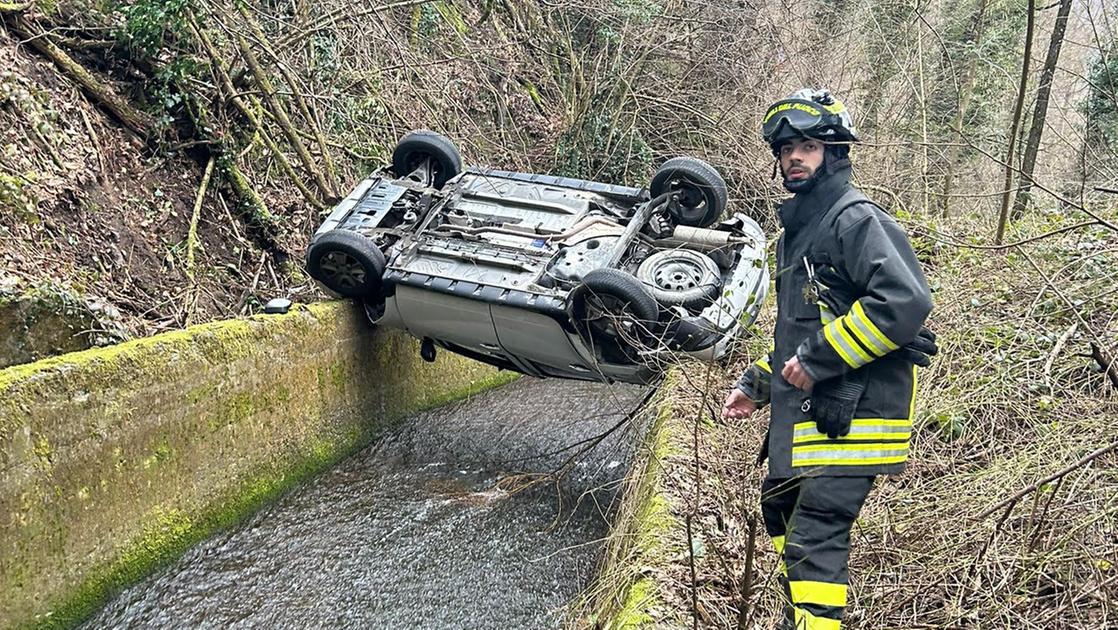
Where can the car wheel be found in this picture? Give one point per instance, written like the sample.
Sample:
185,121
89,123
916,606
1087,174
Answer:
680,277
702,191
347,263
421,145
613,307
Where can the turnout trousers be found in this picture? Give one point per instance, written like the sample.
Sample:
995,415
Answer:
809,521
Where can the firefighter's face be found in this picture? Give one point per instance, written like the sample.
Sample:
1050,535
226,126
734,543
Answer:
800,158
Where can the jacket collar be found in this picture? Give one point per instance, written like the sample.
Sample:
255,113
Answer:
806,208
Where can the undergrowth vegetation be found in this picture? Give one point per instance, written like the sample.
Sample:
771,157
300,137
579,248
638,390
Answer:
1006,516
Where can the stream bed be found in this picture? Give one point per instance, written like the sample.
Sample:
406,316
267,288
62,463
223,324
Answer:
420,530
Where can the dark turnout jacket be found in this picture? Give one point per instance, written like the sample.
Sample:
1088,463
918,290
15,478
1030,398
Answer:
833,234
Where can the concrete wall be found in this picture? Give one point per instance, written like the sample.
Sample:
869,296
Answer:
115,460
626,594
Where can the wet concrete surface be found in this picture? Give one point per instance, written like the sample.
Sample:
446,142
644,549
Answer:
418,530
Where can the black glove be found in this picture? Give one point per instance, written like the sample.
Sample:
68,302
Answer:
834,400
919,351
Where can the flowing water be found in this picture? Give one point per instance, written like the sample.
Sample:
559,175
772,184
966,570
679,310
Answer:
414,531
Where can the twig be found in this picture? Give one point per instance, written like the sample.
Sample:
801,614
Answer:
255,281
94,142
1086,459
1056,350
226,83
192,234
586,445
696,494
301,102
967,590
331,18
1044,513
892,195
943,238
694,580
1107,363
280,113
747,578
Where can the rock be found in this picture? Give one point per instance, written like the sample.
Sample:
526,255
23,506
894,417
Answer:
46,321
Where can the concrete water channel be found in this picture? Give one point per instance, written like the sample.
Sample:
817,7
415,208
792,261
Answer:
420,529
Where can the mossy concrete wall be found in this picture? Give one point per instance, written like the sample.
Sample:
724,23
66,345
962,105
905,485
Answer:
115,460
626,593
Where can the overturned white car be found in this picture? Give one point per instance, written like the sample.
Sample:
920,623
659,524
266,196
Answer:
545,275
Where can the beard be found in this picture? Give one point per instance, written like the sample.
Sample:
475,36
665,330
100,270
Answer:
803,184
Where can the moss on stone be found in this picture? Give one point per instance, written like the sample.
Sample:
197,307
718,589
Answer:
21,386
634,610
643,529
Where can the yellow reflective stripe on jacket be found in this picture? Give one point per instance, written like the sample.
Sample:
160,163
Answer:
778,543
842,347
866,461
819,593
807,621
857,454
877,437
883,448
860,429
866,336
826,315
912,401
763,364
860,313
843,326
877,424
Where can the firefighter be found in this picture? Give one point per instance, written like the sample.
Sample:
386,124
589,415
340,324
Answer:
841,376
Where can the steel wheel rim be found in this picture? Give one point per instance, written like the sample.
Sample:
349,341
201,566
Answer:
678,275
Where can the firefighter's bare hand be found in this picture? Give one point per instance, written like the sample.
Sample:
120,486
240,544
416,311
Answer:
738,405
794,373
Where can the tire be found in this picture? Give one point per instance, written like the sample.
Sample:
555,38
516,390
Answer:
613,306
418,146
347,263
702,190
681,277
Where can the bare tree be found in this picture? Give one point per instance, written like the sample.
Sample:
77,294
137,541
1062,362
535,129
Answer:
1040,112
1003,216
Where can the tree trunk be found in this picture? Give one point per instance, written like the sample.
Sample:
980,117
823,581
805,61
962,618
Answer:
1044,91
269,97
1011,151
965,92
925,186
133,119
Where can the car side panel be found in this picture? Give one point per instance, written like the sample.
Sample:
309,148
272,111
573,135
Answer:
538,338
440,316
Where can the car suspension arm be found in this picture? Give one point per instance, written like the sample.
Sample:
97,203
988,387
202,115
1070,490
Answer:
640,217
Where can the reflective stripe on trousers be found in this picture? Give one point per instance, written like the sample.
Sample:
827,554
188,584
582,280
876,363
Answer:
809,520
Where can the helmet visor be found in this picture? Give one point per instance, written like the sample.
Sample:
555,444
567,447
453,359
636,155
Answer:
800,114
